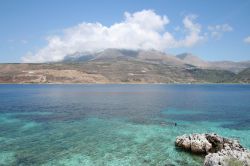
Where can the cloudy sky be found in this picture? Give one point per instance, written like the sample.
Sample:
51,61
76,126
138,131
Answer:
40,31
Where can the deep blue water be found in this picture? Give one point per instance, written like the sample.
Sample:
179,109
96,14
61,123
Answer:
115,124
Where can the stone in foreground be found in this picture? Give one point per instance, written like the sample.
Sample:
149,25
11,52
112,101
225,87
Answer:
196,143
220,151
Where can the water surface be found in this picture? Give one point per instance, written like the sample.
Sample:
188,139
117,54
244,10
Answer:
115,124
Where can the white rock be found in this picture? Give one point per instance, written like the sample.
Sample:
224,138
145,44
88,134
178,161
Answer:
220,151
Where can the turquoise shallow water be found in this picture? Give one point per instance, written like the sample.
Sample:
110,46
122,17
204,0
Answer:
115,124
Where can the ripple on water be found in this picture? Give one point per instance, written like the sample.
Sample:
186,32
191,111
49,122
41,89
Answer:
100,142
115,124
7,158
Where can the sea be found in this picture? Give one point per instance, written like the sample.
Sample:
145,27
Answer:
116,124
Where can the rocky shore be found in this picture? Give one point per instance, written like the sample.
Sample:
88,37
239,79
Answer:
219,151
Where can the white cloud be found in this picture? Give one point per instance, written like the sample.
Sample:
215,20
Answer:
247,40
140,30
193,29
218,30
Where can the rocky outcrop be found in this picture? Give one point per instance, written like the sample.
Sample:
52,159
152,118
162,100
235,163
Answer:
220,151
228,158
196,143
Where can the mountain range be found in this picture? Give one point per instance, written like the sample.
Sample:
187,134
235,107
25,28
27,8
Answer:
159,57
127,66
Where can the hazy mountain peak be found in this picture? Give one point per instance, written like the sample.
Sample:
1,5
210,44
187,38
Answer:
186,56
157,57
189,58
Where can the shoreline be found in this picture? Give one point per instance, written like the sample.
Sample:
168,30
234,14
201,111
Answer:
198,83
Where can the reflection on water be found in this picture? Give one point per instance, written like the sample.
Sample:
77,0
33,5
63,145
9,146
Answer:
115,124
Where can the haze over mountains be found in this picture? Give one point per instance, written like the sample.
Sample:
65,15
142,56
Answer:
127,66
154,56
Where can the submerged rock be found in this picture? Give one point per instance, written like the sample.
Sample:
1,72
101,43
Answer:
220,151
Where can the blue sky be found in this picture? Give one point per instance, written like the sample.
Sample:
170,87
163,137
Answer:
29,26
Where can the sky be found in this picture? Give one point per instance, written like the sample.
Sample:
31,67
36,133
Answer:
40,31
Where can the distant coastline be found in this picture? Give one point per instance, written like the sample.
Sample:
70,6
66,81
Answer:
197,83
114,66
